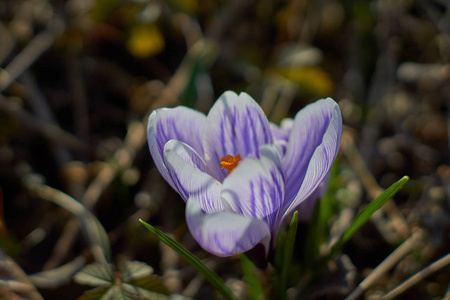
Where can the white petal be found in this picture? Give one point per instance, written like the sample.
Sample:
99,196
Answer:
225,233
256,187
188,173
234,125
312,148
180,123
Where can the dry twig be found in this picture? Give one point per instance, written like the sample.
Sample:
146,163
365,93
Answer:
387,264
436,266
23,283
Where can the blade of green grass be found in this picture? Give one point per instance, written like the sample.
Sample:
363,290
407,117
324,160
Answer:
287,259
365,215
318,231
255,290
193,260
310,249
279,246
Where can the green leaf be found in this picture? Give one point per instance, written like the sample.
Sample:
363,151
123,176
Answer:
278,260
312,239
365,215
114,292
134,282
255,290
196,263
96,274
94,294
152,283
130,291
287,259
132,270
96,234
318,231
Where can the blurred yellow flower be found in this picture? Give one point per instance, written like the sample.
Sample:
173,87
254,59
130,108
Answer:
145,41
311,79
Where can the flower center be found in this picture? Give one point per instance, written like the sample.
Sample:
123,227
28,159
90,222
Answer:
229,162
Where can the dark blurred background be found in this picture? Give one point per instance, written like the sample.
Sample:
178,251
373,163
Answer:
78,79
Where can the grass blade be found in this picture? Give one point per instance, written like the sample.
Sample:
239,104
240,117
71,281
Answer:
288,250
318,231
255,290
365,215
310,249
193,260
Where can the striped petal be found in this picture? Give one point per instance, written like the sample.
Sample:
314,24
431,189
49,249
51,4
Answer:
225,233
281,134
306,208
180,123
312,148
255,188
234,125
188,173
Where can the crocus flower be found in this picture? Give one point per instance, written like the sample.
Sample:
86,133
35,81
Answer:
240,175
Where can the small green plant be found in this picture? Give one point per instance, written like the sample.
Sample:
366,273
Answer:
283,252
134,280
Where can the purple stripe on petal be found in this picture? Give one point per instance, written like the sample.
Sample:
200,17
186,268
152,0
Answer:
225,233
315,169
248,129
267,133
180,123
188,172
310,126
256,187
222,136
252,196
235,125
281,133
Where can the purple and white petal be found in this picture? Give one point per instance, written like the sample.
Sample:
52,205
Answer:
225,233
255,188
312,147
280,137
188,173
306,208
278,133
282,132
234,125
180,123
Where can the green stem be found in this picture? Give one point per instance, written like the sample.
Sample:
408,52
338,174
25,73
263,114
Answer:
193,260
287,259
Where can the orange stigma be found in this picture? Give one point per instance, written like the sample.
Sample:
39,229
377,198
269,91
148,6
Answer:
229,162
